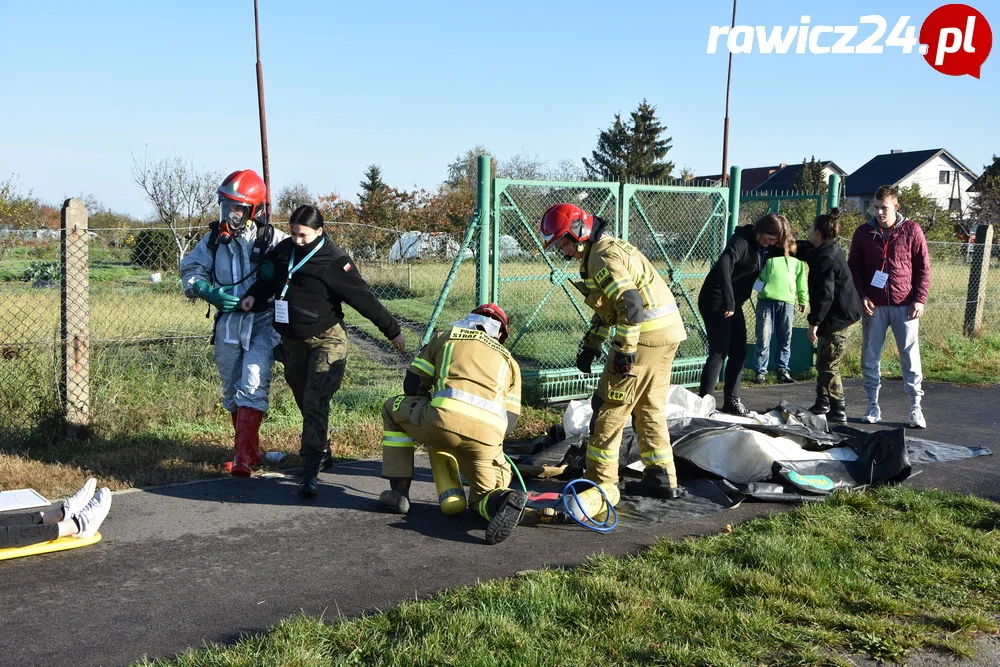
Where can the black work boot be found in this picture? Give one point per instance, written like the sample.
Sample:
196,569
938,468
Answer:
504,507
734,406
655,483
327,461
838,411
310,469
784,377
822,405
397,498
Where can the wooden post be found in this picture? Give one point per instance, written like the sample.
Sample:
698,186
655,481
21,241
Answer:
75,317
976,299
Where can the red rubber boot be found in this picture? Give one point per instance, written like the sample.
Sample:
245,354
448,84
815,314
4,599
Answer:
228,465
247,441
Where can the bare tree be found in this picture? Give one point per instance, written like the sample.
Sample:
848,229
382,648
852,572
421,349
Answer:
183,197
523,167
290,197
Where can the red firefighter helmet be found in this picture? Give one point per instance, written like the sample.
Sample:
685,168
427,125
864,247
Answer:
566,220
242,192
496,312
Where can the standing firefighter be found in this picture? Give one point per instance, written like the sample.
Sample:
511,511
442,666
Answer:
462,396
220,269
627,293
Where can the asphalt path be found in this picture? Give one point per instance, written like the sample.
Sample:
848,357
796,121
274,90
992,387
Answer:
206,562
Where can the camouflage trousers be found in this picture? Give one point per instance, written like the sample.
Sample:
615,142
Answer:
831,352
314,369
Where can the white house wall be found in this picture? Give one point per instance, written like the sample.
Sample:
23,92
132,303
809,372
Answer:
928,178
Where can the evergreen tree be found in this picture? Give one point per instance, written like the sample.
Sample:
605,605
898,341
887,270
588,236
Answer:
375,199
633,150
985,206
810,178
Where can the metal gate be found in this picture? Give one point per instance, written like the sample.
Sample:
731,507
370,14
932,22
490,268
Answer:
681,229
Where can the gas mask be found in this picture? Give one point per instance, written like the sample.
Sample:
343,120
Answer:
233,218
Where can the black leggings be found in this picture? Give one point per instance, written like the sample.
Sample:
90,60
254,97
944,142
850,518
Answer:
20,530
727,338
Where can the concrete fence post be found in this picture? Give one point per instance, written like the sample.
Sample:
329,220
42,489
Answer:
975,302
75,316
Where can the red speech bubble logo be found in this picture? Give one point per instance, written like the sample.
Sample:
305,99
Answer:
956,40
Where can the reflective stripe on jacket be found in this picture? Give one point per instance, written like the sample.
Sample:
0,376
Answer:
616,267
473,382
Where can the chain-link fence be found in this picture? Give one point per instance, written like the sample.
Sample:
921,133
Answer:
104,324
800,209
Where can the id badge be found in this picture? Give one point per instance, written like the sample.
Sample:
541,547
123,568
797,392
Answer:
758,285
280,311
880,279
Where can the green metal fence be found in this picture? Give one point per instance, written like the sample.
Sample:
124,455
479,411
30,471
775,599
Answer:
681,229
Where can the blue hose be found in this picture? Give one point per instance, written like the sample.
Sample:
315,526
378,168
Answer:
610,521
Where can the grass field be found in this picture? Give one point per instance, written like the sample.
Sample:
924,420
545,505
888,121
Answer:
877,573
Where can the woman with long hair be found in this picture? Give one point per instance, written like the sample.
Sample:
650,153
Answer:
726,288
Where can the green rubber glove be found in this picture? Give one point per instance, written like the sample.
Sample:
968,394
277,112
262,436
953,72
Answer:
220,297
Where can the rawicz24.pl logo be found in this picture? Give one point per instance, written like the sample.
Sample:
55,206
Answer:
954,39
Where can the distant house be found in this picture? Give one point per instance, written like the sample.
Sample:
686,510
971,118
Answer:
938,173
777,178
784,178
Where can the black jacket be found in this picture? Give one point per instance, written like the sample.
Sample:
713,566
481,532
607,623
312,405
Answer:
833,299
729,284
318,290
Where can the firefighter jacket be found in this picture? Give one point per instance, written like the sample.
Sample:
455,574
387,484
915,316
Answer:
473,383
626,292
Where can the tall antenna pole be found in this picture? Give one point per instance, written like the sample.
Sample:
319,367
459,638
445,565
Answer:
725,129
263,115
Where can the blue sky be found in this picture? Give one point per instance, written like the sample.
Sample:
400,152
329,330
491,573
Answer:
411,85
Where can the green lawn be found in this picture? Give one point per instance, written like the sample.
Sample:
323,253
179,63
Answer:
877,573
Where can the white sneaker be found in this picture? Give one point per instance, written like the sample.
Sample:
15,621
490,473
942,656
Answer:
917,418
874,414
79,500
89,519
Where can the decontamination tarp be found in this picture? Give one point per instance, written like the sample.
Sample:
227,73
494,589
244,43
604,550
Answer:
784,455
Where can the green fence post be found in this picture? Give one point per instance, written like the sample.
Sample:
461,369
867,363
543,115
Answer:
833,192
483,208
735,175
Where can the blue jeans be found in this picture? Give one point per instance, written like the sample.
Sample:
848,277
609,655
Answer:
774,317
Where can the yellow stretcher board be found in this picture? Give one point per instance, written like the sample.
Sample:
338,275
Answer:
61,544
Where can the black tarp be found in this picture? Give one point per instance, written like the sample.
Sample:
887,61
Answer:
883,456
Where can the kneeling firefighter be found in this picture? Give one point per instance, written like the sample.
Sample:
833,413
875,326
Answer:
462,396
220,270
626,292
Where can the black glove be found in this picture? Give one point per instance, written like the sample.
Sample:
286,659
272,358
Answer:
585,359
623,363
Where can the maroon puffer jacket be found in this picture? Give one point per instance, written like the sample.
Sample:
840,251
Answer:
907,262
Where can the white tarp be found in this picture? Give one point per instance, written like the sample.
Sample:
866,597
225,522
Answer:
417,245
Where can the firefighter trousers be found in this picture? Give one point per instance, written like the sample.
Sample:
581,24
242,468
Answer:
405,420
642,394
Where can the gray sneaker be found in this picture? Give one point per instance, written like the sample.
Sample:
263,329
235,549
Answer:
917,417
874,414
79,500
89,519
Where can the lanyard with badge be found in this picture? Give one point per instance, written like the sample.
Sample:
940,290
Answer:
881,277
280,305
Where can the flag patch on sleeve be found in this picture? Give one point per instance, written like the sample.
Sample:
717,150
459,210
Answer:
347,267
